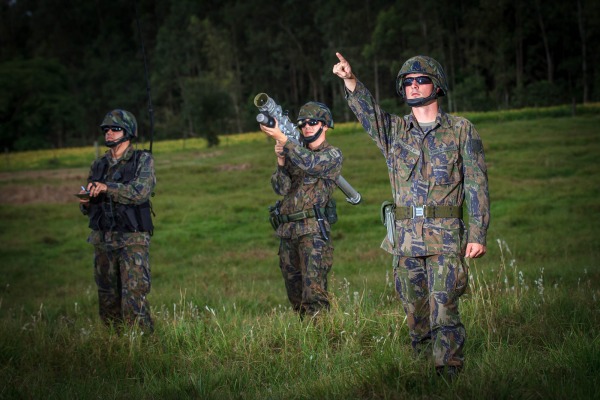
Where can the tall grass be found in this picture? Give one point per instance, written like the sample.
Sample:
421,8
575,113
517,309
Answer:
224,329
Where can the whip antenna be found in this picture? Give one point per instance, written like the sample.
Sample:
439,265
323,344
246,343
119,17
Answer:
150,110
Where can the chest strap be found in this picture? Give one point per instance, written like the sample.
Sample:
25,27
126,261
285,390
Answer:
409,212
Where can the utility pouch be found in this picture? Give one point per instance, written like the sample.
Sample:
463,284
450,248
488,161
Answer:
145,217
274,215
130,219
388,219
108,221
331,212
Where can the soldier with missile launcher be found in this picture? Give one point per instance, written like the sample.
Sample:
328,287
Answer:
306,177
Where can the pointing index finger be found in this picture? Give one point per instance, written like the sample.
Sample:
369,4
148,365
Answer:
340,57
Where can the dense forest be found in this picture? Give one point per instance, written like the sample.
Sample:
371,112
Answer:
65,63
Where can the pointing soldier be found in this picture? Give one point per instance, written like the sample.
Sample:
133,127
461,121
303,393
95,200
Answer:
120,184
436,164
306,178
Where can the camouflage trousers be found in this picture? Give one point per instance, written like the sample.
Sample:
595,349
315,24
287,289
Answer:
123,280
429,288
305,263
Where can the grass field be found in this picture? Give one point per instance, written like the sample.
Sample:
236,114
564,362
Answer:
223,326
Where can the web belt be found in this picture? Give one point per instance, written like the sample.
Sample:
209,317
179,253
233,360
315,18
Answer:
297,216
409,212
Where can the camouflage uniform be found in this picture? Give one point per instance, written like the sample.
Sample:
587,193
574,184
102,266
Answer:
121,251
305,258
440,166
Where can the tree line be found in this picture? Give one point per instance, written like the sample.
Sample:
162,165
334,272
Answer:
65,63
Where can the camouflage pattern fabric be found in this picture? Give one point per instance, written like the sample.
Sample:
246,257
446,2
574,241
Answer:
123,119
307,178
422,65
444,166
305,263
123,279
317,111
122,257
429,288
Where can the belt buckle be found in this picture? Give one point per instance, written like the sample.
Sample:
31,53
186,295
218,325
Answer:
418,211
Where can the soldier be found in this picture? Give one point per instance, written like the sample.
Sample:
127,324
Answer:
435,163
305,177
120,184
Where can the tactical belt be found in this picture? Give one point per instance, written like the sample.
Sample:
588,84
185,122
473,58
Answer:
410,212
297,216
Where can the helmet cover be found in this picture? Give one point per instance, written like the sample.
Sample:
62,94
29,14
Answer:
123,119
427,66
317,111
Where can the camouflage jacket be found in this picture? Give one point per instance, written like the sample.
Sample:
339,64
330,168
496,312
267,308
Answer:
442,166
137,191
307,178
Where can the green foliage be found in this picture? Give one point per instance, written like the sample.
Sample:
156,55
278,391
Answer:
224,328
36,108
471,95
205,105
541,94
229,51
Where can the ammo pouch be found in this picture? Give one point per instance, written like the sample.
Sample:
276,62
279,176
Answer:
135,218
388,219
274,214
331,212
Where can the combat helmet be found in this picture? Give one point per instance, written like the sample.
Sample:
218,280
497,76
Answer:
427,66
316,110
123,119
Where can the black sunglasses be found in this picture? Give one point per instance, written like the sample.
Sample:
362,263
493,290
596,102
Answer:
111,128
421,80
311,122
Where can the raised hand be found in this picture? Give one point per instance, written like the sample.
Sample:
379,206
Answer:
342,68
344,71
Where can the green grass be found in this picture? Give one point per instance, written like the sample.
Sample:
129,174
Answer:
223,326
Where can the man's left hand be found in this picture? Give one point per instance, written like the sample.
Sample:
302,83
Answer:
475,250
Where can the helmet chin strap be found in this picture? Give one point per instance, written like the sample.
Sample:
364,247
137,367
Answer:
423,100
113,143
314,137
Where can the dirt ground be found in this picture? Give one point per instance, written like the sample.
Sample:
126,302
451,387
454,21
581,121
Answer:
47,186
58,186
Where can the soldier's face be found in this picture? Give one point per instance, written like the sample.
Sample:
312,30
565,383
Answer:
113,133
414,90
310,127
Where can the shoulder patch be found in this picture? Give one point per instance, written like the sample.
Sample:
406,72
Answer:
475,145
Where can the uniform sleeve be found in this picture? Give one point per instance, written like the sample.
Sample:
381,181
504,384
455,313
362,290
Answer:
376,122
476,185
281,181
326,164
138,190
82,208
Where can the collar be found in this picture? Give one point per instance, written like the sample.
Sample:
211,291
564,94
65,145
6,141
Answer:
126,156
442,119
320,147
